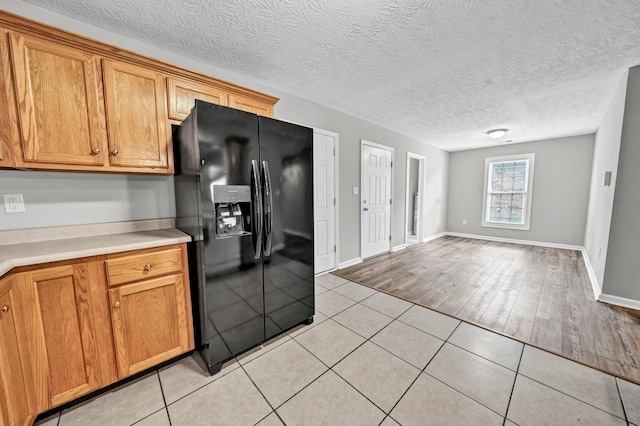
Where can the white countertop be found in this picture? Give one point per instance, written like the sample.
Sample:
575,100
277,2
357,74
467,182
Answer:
32,253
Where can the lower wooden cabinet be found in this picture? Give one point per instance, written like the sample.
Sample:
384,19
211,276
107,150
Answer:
64,332
149,323
64,336
16,399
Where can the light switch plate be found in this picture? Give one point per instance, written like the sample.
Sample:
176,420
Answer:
355,190
13,203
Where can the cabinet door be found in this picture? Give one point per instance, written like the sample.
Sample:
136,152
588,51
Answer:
149,323
14,399
59,103
5,107
63,336
182,95
250,105
135,105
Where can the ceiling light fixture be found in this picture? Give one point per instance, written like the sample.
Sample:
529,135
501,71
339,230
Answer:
496,133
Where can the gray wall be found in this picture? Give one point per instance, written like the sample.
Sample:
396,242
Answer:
352,130
622,272
560,190
290,107
605,158
58,198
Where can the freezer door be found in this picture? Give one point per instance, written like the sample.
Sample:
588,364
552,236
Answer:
228,145
286,151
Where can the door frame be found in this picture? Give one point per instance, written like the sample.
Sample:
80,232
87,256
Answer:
364,142
336,193
422,160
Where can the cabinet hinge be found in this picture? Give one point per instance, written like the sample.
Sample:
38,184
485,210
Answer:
389,237
334,152
390,201
334,201
335,249
392,164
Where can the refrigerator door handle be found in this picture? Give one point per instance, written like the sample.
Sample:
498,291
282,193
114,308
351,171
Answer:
268,208
257,209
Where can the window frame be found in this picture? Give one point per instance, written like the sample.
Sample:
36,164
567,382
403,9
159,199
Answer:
527,194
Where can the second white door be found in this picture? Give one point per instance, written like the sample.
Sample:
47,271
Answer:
376,199
324,144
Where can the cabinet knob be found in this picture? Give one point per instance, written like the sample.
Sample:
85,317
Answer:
5,308
95,151
147,266
115,152
117,304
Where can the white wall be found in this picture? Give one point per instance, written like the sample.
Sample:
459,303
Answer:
622,272
290,107
560,190
605,158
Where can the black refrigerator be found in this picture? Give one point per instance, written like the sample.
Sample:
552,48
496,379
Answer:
244,192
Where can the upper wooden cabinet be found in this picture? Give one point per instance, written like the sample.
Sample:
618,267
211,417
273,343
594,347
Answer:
249,104
136,117
16,404
182,95
71,103
59,103
6,136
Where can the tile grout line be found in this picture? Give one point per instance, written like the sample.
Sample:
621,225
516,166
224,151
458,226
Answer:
624,411
330,368
513,387
273,410
164,399
418,376
572,396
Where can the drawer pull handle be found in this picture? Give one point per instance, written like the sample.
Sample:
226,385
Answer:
5,308
115,152
95,151
147,266
117,304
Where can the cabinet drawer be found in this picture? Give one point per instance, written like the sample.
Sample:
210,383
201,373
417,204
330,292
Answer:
136,267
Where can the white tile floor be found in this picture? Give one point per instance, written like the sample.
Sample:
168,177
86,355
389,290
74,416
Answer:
371,359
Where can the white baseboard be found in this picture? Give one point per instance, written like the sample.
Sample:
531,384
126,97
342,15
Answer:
595,285
398,248
514,241
620,301
349,262
434,237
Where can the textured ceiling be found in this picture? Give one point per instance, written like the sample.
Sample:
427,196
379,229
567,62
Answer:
441,71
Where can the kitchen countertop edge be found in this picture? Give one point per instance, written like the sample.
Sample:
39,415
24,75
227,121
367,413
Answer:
34,253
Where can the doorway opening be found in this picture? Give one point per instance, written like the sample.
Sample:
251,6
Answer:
414,198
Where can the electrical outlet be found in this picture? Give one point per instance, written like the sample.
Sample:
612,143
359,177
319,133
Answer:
13,203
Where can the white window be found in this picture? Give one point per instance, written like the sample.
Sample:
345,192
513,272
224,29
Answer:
508,184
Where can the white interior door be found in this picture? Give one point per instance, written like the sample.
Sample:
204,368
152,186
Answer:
376,199
324,200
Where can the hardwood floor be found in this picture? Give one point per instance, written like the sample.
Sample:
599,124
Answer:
538,295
